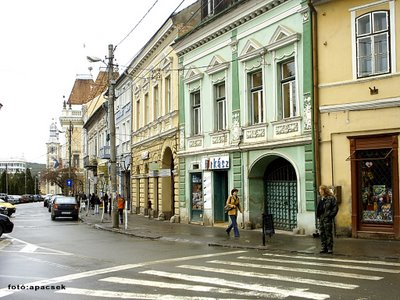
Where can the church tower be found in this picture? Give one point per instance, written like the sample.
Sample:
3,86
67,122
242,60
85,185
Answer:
53,156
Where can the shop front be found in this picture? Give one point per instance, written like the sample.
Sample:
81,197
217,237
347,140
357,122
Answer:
375,185
209,190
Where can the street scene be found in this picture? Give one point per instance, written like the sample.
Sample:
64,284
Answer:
200,149
78,260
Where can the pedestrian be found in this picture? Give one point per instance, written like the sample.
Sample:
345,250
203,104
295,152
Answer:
92,200
326,211
96,204
121,205
105,202
233,202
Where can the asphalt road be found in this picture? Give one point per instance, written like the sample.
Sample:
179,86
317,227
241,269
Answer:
70,260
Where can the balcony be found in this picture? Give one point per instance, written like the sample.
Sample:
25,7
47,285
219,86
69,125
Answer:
90,162
104,152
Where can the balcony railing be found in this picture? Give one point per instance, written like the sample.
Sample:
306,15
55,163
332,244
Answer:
104,152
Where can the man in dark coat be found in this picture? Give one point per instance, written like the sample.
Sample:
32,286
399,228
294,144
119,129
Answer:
326,212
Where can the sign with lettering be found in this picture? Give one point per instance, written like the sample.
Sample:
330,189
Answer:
219,162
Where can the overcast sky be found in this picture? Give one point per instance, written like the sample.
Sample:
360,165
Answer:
44,44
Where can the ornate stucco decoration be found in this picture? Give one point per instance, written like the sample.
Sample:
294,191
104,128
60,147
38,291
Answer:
193,74
236,129
195,142
282,36
307,112
217,64
182,138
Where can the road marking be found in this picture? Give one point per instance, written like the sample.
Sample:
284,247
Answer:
29,248
5,291
275,291
369,262
180,286
32,248
337,285
342,266
300,270
126,295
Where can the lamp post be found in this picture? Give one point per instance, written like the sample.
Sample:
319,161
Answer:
111,122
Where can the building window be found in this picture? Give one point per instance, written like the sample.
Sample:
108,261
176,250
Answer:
146,109
288,105
219,92
167,94
76,161
372,37
196,113
156,103
138,114
256,98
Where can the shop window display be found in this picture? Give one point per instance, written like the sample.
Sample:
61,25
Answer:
375,186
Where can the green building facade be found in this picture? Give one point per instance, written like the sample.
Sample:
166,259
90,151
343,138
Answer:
246,115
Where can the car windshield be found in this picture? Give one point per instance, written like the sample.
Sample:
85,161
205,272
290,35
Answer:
66,200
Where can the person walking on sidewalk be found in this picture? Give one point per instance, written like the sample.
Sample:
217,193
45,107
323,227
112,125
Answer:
121,205
96,204
326,211
233,202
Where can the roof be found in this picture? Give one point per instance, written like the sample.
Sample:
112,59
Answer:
80,91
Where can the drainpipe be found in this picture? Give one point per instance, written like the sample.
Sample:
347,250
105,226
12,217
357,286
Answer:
316,119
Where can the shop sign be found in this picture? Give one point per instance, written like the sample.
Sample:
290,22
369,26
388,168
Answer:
219,162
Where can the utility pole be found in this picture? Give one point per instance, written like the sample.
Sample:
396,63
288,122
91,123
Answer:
70,152
111,122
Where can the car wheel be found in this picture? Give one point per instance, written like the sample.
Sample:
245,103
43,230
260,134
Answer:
1,230
53,217
9,213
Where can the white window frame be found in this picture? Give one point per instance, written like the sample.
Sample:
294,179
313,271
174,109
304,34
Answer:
220,103
292,101
196,112
373,35
167,94
156,102
256,91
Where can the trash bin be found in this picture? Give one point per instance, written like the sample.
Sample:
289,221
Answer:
267,226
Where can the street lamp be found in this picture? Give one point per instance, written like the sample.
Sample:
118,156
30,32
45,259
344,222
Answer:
111,122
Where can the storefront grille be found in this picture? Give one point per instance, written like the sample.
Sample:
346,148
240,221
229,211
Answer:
281,194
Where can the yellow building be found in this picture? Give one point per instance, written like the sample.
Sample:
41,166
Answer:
154,139
359,105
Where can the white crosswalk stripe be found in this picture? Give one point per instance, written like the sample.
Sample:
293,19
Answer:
245,277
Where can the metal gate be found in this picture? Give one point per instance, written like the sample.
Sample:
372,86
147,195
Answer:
281,194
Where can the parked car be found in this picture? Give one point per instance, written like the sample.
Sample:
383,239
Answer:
64,207
50,202
37,198
3,196
13,199
46,199
26,198
6,208
6,226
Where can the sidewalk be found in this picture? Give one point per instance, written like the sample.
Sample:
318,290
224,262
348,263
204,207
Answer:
143,227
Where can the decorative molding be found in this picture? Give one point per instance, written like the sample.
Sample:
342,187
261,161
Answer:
193,74
307,112
282,36
217,64
236,130
195,142
290,127
374,104
219,137
255,133
251,50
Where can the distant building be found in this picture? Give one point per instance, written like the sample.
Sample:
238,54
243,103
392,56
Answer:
53,157
13,165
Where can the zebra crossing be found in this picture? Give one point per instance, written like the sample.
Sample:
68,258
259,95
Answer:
245,275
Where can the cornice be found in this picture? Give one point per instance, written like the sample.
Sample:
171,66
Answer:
374,104
230,26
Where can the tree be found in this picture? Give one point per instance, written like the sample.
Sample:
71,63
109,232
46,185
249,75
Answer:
59,177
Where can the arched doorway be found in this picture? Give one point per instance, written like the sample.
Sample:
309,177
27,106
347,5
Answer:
167,184
281,193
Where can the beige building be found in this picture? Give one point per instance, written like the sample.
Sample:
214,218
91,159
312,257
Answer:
359,103
154,139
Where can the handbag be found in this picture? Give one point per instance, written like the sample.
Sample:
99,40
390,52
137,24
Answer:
227,208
